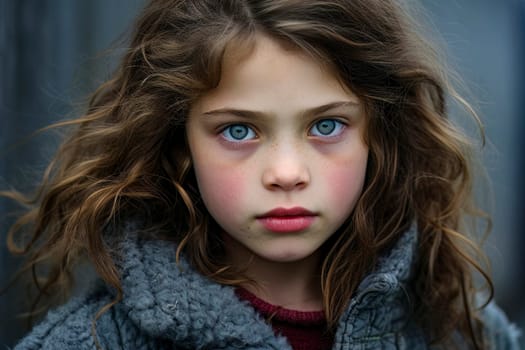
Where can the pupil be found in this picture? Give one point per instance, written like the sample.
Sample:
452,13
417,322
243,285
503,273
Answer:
239,131
326,126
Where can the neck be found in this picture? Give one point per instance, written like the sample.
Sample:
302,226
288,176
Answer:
286,288
293,285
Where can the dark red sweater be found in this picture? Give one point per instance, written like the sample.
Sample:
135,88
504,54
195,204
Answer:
304,330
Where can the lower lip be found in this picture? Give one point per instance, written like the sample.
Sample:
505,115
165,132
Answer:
286,223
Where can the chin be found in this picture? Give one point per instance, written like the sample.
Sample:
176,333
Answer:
287,256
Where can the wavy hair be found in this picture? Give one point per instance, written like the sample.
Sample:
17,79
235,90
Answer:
128,152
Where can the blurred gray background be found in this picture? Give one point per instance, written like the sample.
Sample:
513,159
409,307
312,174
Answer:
53,53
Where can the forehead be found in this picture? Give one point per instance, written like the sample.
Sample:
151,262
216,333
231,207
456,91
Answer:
271,75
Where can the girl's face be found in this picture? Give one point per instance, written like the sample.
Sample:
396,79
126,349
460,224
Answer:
278,153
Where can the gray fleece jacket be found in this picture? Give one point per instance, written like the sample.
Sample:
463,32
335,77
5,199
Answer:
166,306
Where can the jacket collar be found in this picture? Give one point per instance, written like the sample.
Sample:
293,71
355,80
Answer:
166,300
172,301
381,304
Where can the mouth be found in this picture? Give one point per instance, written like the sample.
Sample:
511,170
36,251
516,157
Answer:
284,220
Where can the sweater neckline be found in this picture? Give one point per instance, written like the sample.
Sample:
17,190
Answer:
279,313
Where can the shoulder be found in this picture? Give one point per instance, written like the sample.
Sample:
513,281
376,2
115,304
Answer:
500,333
70,326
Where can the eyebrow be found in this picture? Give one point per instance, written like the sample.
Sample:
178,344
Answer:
256,114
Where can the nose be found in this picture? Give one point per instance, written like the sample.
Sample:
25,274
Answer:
285,169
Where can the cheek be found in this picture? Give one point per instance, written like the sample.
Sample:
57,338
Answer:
345,183
222,189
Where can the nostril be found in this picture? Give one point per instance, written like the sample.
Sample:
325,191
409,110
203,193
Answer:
287,184
286,174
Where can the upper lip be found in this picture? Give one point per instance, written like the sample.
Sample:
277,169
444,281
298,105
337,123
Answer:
295,211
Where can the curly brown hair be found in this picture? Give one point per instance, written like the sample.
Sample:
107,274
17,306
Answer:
128,152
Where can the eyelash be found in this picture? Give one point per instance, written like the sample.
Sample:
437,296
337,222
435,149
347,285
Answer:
339,126
230,126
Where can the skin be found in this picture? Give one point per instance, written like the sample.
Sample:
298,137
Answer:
278,131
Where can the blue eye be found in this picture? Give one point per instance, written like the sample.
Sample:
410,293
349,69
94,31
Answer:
238,132
327,127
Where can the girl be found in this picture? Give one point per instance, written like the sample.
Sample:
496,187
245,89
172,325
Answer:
264,175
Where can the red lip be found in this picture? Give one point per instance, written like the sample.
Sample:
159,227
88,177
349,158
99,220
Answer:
282,220
295,211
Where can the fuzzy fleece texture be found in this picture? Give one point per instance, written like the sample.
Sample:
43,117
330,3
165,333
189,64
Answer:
166,306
